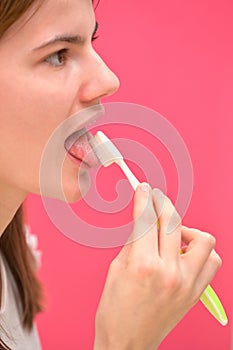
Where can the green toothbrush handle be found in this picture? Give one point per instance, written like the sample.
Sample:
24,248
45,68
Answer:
211,301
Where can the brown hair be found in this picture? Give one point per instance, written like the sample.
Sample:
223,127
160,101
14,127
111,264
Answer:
13,241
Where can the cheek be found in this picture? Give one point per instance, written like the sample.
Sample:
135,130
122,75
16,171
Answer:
30,110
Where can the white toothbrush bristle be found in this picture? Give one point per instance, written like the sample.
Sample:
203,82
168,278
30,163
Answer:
104,149
108,153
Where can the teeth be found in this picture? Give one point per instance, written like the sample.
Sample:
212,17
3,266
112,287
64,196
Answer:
75,135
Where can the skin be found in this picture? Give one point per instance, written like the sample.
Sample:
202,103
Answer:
38,95
151,284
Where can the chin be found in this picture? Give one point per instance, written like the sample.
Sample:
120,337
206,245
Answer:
70,185
76,187
71,196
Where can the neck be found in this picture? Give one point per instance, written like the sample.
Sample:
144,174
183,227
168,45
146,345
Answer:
10,201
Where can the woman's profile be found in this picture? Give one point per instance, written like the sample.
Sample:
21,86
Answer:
50,71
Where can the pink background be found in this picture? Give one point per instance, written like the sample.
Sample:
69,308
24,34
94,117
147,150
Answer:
176,58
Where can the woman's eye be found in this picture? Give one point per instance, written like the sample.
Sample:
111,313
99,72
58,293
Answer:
58,58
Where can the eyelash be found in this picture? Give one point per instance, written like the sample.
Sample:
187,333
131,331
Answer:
64,53
94,37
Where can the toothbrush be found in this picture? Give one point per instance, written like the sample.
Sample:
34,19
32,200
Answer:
108,154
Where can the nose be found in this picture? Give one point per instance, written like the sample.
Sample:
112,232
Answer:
98,80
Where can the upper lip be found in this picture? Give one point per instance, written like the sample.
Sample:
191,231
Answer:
89,117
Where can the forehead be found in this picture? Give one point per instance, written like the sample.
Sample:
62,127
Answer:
60,5
46,17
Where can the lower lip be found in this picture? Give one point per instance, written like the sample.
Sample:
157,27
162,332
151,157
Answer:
78,162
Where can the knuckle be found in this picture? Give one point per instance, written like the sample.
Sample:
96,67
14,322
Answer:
173,281
146,268
208,239
216,260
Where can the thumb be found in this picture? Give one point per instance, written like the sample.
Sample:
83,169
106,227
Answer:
123,255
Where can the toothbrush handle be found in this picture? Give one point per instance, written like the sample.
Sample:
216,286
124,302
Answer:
213,304
132,179
209,298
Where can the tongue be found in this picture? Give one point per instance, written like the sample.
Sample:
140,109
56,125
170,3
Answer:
82,150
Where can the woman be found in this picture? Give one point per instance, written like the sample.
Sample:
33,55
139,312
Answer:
50,71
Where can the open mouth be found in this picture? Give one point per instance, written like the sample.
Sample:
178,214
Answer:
77,144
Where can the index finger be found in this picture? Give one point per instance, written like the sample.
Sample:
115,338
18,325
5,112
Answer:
170,227
145,234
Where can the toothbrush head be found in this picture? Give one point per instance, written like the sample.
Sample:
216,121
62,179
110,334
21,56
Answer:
104,149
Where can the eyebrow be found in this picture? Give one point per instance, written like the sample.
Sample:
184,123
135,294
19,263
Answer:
71,39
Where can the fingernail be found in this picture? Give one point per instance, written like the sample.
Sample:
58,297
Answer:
145,187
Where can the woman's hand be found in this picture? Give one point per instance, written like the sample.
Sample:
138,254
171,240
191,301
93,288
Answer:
150,286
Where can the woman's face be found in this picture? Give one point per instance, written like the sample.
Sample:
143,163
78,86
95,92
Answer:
43,84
